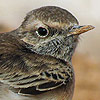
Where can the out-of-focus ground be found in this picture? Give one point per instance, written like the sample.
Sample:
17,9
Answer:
86,59
87,78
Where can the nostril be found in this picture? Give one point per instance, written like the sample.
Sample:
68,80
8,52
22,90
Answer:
71,29
80,26
76,27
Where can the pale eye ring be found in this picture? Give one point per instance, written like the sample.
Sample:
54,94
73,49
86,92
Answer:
42,32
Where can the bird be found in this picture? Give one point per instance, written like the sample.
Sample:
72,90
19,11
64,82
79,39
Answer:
36,58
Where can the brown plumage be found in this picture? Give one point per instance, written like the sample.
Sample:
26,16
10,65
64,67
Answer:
35,59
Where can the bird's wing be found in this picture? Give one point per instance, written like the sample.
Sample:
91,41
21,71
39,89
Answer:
22,69
43,81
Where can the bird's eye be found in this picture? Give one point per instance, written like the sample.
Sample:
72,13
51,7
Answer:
42,32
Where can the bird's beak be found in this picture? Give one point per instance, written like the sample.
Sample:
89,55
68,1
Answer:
81,29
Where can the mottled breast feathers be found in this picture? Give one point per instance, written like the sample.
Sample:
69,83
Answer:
27,72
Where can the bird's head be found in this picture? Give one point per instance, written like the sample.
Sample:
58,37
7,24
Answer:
51,31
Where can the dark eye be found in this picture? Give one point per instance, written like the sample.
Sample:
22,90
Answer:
42,32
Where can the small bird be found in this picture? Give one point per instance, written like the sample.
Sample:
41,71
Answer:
35,59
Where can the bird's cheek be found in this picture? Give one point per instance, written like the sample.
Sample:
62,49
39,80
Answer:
29,40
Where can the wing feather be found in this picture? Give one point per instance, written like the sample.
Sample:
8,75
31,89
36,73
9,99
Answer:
23,69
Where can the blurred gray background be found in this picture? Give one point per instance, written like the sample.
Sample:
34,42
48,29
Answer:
12,13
